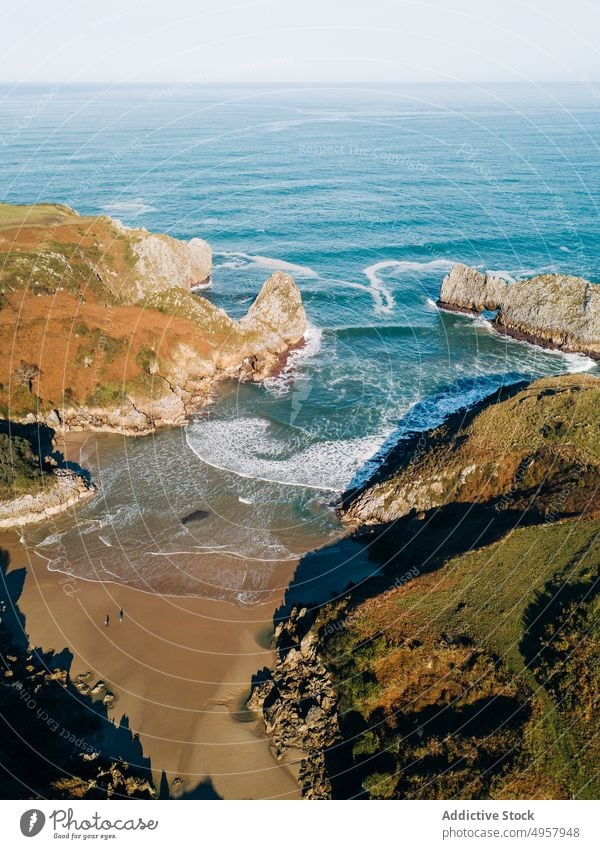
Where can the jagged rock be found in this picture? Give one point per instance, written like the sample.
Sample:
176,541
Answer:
298,703
164,262
553,310
277,314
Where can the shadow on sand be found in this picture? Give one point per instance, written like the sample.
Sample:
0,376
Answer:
53,735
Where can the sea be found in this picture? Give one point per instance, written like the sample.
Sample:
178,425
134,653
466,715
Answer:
367,195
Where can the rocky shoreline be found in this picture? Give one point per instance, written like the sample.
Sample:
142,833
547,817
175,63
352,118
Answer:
551,310
298,703
61,489
62,743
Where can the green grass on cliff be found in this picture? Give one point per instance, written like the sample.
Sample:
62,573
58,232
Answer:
36,215
479,679
182,304
470,668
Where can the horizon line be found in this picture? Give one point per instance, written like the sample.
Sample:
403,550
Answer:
582,80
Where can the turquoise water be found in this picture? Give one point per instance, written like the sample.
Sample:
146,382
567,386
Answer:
367,197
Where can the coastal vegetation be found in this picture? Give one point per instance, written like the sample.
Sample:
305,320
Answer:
468,667
100,329
20,469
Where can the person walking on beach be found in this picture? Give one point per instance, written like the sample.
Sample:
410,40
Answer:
107,620
121,615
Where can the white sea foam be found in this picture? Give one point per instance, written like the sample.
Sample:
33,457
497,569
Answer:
282,383
129,207
579,362
504,275
573,362
382,294
250,448
431,265
238,260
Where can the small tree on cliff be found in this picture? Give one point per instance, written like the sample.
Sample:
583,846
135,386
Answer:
26,374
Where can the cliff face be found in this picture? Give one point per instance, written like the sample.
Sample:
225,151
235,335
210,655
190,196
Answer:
553,310
468,666
47,248
299,704
536,449
99,329
163,262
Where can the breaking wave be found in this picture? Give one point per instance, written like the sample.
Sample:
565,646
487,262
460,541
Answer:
252,448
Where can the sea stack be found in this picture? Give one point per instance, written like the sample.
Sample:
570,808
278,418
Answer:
552,310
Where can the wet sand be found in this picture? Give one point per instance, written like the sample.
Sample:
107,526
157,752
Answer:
179,667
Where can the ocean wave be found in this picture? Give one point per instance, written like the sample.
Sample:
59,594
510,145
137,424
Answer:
431,411
578,362
574,362
250,447
238,260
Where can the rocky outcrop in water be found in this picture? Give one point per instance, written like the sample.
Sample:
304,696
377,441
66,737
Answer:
297,701
552,310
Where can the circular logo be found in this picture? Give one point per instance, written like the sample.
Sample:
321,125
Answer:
32,822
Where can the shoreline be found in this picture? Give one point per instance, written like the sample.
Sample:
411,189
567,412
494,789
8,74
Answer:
67,490
180,667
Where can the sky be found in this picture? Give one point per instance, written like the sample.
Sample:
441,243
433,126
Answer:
299,40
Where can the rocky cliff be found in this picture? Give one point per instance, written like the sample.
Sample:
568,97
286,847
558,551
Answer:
34,487
530,449
298,702
99,329
553,310
61,489
467,666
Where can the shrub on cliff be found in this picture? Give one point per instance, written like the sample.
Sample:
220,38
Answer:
20,470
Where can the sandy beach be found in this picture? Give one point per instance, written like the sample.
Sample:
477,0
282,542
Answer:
178,666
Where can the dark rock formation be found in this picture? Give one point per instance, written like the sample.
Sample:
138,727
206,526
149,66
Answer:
298,703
